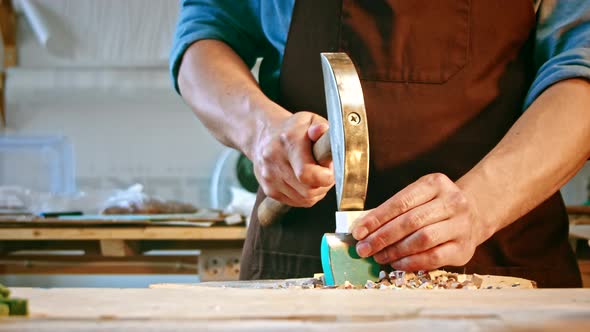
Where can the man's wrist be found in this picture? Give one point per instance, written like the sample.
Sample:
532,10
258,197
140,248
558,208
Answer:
487,222
266,115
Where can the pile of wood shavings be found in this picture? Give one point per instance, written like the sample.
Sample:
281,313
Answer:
437,279
425,280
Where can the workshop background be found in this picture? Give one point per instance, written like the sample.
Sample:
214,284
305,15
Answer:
91,82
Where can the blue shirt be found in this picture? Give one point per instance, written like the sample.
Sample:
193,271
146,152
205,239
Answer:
255,28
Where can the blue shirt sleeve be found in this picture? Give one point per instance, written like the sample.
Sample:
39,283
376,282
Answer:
562,45
235,22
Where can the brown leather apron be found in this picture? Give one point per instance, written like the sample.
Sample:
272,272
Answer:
443,83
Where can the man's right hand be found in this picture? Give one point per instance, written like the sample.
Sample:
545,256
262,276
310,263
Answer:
224,95
283,161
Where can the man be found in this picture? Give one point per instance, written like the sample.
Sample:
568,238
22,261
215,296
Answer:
460,176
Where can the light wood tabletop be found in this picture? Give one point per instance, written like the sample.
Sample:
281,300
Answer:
221,309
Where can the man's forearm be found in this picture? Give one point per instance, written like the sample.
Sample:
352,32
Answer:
543,150
435,222
221,91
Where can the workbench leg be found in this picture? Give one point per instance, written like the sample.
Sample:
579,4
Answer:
118,248
219,265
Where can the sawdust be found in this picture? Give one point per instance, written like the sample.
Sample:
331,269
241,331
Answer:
437,279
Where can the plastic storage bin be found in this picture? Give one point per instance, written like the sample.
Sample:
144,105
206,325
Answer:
39,163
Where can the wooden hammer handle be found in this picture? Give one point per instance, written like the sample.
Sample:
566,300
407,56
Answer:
270,210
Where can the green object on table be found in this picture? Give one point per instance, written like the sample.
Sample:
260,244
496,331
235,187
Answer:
12,307
16,307
4,310
4,292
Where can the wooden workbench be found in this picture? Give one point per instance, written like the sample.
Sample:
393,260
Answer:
102,247
119,247
232,309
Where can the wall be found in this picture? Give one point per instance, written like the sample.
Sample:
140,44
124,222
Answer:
576,191
105,33
103,82
122,133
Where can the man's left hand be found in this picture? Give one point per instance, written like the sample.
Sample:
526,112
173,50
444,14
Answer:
429,224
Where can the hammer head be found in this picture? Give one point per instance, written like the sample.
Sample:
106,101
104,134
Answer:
349,133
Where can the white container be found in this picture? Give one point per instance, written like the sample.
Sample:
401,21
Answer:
37,163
